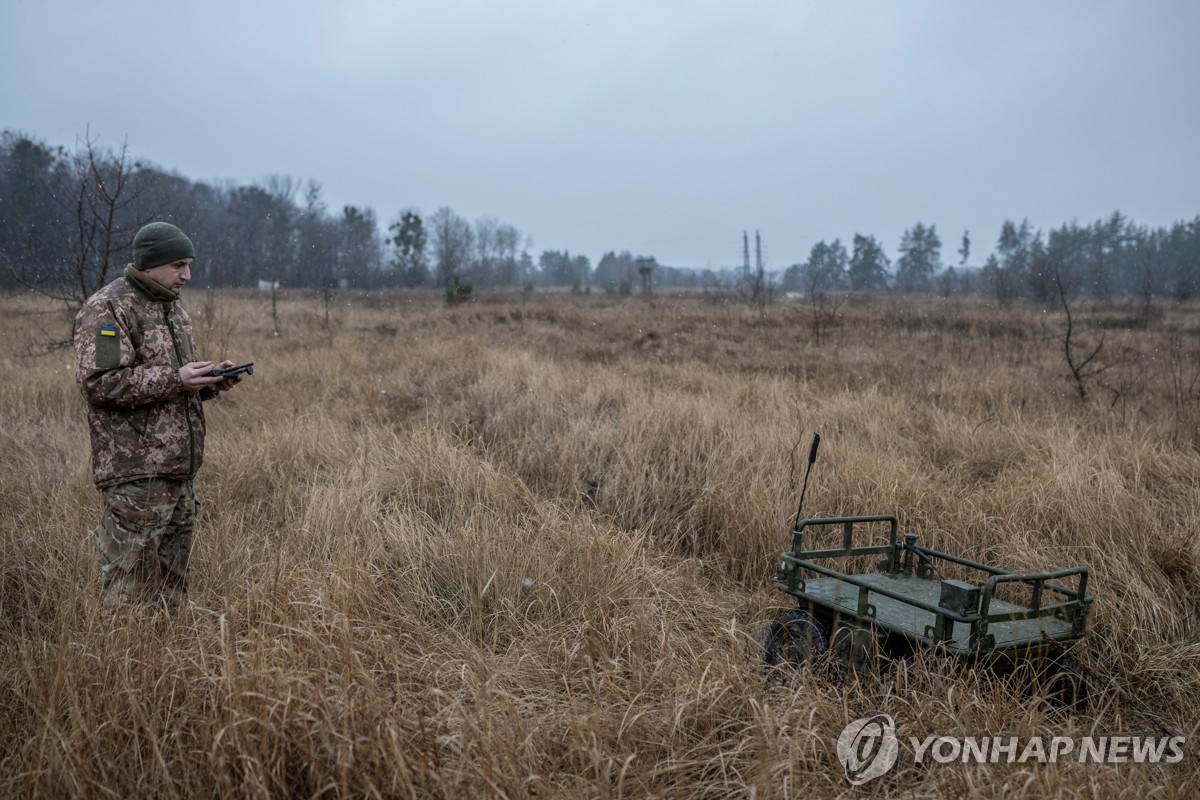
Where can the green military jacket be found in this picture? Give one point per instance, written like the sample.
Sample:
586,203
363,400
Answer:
131,337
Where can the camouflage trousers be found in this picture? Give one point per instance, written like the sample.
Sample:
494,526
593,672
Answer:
144,541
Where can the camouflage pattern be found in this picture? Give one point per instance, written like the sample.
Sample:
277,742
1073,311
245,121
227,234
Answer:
144,541
131,338
147,435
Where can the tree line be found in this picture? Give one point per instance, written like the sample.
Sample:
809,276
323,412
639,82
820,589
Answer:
67,219
1109,258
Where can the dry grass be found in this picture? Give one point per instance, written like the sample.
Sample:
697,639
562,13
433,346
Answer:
522,548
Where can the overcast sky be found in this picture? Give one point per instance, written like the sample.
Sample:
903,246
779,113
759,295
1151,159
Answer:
663,128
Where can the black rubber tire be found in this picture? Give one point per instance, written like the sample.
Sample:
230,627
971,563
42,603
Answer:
1065,684
795,639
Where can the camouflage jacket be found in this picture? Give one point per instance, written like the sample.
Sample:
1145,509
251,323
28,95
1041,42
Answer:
131,338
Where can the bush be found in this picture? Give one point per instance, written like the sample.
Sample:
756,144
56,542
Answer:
459,291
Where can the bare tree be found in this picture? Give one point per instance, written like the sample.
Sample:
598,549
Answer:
281,188
487,251
508,240
103,194
101,229
453,242
823,311
1083,367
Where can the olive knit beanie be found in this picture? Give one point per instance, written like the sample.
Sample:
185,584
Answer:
160,243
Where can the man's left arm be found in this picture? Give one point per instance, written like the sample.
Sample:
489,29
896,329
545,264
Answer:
106,366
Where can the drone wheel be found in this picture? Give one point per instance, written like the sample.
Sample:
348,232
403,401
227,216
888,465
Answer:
795,639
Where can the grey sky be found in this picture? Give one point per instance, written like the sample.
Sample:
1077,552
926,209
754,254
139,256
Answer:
664,128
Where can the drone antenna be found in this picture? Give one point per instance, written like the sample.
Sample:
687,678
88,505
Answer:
812,459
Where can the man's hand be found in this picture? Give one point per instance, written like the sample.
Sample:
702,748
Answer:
194,376
227,383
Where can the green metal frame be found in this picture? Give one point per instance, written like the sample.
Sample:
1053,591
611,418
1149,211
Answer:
1070,609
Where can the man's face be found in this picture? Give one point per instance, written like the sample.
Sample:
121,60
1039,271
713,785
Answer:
173,275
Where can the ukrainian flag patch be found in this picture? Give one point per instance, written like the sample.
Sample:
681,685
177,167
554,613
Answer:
108,348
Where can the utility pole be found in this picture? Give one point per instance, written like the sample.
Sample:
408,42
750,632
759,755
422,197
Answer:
745,259
758,294
758,257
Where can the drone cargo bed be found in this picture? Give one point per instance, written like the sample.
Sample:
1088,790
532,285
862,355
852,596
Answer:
906,618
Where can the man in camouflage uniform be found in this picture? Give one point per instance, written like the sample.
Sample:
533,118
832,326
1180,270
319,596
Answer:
144,387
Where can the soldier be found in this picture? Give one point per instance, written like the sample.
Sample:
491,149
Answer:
138,371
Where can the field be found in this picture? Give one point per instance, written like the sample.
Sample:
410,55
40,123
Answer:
522,547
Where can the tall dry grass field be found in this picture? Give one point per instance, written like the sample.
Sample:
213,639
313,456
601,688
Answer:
523,549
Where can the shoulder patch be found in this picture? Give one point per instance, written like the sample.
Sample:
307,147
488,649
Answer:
108,348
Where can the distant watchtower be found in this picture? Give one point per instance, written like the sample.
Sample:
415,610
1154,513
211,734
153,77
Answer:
646,270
